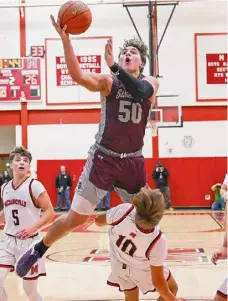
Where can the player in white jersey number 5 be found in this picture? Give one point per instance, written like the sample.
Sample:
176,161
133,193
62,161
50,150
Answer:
23,198
138,248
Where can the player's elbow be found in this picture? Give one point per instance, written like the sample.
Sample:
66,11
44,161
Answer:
144,92
50,214
100,220
158,279
161,286
157,282
77,78
98,223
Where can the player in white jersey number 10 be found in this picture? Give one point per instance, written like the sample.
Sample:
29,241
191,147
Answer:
22,198
138,248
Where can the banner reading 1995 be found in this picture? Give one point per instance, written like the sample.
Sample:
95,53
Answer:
88,63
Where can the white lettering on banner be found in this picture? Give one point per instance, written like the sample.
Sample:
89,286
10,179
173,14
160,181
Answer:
87,63
216,68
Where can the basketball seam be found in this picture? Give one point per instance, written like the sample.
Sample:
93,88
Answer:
65,11
77,16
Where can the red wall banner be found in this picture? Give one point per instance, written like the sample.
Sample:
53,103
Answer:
88,63
216,68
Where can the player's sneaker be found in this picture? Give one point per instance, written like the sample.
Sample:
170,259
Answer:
26,261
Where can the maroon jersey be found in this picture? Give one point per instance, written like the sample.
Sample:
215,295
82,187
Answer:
123,121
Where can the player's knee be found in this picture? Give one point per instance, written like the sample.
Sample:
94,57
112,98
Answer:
74,219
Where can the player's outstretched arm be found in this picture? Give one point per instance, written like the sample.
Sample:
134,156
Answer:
91,81
161,284
44,203
100,220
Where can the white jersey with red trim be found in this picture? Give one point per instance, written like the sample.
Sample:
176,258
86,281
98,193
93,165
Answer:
20,208
131,245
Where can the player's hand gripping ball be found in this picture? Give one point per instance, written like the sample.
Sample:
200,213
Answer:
76,15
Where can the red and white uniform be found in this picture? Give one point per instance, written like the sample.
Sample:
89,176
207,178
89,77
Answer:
21,211
133,251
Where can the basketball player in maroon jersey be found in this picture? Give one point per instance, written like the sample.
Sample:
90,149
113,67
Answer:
115,159
23,198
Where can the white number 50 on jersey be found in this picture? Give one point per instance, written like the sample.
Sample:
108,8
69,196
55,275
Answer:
129,110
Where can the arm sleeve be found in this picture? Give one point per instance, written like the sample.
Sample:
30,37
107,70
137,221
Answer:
137,88
118,213
159,252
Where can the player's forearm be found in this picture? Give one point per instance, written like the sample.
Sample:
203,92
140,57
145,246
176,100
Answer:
72,61
45,218
100,220
2,217
163,289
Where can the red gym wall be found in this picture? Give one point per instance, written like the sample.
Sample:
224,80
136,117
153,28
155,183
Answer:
190,178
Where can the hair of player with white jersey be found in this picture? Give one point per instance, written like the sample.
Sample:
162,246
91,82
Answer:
150,206
20,150
138,44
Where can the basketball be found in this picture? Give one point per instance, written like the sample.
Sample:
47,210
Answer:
76,15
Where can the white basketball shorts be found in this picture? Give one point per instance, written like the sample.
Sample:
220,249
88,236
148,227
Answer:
128,278
11,248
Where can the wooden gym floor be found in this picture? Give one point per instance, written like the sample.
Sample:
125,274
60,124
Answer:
78,265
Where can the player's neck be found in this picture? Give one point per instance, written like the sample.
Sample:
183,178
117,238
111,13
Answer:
136,74
144,230
18,179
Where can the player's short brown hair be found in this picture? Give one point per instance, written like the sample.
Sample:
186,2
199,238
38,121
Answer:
138,44
150,206
20,150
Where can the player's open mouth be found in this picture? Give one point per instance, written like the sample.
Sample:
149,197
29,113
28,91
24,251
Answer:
127,60
21,168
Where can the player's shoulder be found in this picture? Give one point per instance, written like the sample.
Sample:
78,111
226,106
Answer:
6,185
159,240
117,214
125,207
153,81
2,188
163,238
9,183
36,183
34,180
